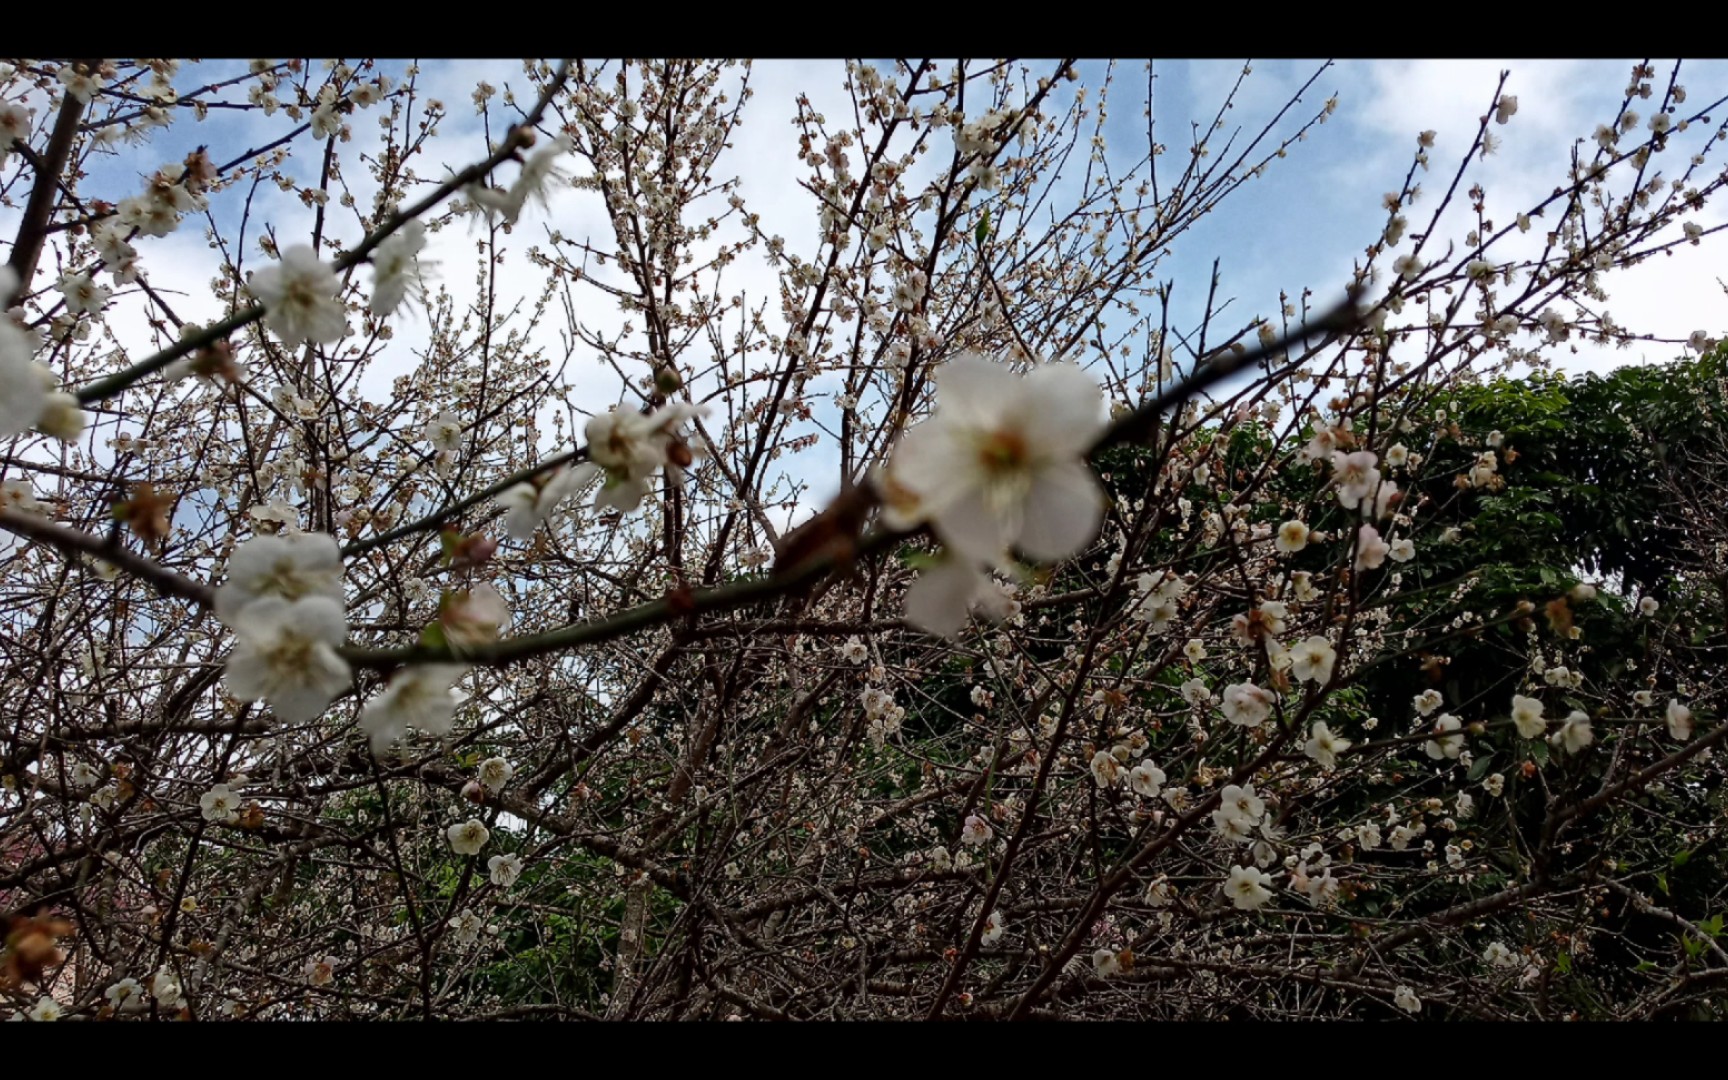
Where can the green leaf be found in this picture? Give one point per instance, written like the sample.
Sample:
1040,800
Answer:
1479,767
433,636
1662,883
1563,963
982,232
1682,858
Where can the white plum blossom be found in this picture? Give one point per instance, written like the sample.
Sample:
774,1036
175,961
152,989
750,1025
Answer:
444,432
503,870
418,696
220,805
1444,744
321,970
1648,606
467,926
396,272
976,831
1239,811
1406,999
1324,746
1106,770
1498,955
1247,889
1574,733
1247,704
1146,779
285,653
495,772
1679,719
45,1010
165,988
1527,716
292,567
533,501
1001,464
1371,550
1292,537
467,837
24,383
629,447
1105,963
125,996
943,595
83,296
300,299
1195,692
854,651
475,617
994,928
1312,660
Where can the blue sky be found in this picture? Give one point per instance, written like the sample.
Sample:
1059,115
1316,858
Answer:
1299,226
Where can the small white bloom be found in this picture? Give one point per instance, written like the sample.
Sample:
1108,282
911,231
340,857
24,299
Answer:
1146,779
1679,720
531,502
1371,550
1105,768
1312,660
165,988
1247,889
1445,745
1247,704
941,598
468,837
1001,464
1574,733
292,567
495,772
45,1010
220,805
286,654
976,831
419,696
300,300
1527,716
321,970
503,870
396,270
125,996
1323,746
1648,606
444,432
1292,537
1406,999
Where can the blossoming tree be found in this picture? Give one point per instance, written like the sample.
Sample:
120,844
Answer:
952,630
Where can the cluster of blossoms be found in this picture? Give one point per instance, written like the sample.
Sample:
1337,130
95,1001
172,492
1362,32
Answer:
283,600
29,394
625,450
